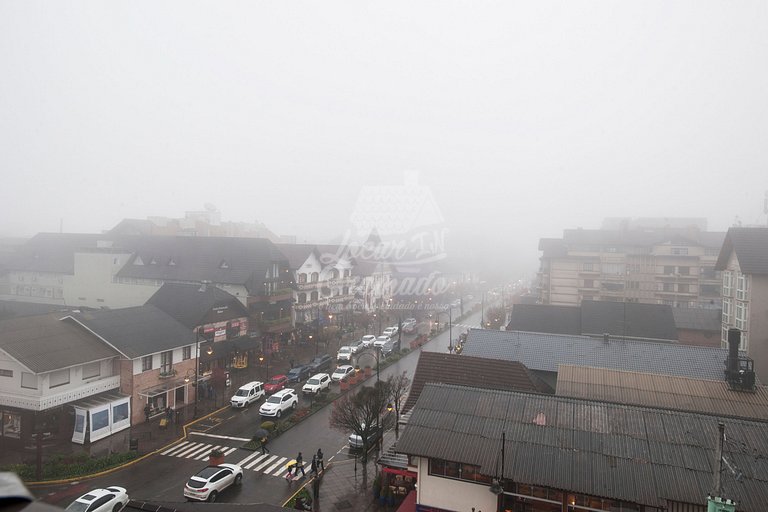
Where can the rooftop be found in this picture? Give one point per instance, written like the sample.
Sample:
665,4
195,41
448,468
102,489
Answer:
751,247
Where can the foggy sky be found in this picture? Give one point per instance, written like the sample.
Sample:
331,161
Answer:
522,118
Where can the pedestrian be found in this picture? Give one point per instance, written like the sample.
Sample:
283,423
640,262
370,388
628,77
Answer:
313,466
264,449
300,465
290,470
168,414
290,361
320,464
147,412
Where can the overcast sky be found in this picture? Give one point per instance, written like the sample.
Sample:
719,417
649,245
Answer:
521,118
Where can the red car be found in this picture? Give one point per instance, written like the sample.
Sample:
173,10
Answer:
275,384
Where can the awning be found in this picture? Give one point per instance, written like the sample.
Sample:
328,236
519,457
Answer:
101,399
402,472
163,388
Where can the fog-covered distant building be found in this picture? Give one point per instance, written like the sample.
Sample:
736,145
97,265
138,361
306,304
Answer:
651,262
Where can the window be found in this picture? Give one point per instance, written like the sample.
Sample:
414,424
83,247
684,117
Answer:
680,251
727,283
314,277
669,270
59,378
28,380
146,363
186,353
741,287
166,362
668,287
91,370
457,470
683,288
741,315
587,267
727,311
302,298
6,373
302,278
684,271
614,268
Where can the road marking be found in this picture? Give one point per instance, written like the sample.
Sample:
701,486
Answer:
174,448
205,453
192,448
256,461
230,450
220,437
270,460
275,465
249,457
198,451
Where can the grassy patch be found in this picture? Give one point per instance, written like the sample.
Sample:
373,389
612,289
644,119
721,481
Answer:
70,466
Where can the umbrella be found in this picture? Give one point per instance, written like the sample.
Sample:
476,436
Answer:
261,433
290,463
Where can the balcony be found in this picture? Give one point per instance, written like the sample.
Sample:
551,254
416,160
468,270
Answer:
272,296
304,287
276,324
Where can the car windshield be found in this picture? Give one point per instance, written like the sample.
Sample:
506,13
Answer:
345,349
274,381
242,392
313,382
294,371
195,484
77,506
340,371
274,399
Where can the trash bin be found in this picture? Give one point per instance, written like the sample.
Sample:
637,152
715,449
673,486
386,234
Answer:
134,444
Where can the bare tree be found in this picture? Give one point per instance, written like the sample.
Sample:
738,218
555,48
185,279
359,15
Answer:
360,413
398,386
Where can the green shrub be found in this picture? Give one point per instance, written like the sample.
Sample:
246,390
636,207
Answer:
70,466
268,425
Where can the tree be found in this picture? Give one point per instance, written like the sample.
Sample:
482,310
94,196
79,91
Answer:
398,386
360,412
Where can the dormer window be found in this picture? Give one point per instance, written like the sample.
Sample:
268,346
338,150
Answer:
153,261
138,261
223,264
171,262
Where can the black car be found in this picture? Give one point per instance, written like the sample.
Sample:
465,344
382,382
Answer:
320,363
298,374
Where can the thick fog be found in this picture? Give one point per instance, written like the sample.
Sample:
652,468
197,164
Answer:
517,119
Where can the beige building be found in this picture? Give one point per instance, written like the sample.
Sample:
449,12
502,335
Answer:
743,262
672,265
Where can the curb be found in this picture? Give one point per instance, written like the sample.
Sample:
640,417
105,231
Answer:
127,464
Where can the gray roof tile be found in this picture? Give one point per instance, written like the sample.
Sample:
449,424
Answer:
751,246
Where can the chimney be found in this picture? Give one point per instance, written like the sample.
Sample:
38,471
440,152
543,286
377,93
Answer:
734,339
606,337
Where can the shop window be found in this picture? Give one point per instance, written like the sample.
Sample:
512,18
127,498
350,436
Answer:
120,412
99,420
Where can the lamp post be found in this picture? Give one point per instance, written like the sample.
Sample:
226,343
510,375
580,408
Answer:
450,330
263,358
197,369
482,312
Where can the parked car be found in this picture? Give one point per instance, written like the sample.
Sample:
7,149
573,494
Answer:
409,325
356,346
381,340
275,384
111,499
298,374
209,482
341,372
388,347
389,331
344,353
247,394
367,340
356,442
278,403
320,363
316,384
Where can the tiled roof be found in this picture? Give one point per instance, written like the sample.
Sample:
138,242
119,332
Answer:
190,303
545,318
44,343
663,391
137,331
636,454
544,352
51,252
698,319
751,246
435,367
630,319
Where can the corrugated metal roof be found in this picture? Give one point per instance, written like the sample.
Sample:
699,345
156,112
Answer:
544,352
43,343
637,454
664,391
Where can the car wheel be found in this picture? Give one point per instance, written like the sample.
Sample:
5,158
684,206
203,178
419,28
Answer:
212,496
279,413
293,406
117,507
238,479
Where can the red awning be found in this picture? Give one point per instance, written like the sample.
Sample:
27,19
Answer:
409,503
402,472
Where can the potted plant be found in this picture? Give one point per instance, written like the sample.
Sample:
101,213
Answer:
216,457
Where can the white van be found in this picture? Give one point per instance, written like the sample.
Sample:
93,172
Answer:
247,394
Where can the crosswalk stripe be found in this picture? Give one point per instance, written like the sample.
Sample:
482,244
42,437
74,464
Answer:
280,460
174,448
228,451
198,451
204,453
191,448
251,456
271,468
256,461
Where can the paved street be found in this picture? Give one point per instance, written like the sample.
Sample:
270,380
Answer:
161,477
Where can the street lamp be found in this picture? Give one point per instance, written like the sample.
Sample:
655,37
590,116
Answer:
450,330
263,358
197,368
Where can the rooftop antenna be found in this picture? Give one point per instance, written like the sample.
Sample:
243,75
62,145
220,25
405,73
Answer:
716,503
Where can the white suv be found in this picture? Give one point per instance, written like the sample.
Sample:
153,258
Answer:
368,340
344,353
279,402
389,331
316,384
247,394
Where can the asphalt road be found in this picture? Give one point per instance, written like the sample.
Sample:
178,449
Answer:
161,477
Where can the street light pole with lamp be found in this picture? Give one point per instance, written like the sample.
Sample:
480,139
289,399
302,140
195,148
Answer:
209,351
263,358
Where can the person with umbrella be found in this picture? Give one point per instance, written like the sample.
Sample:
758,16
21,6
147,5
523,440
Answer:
262,435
